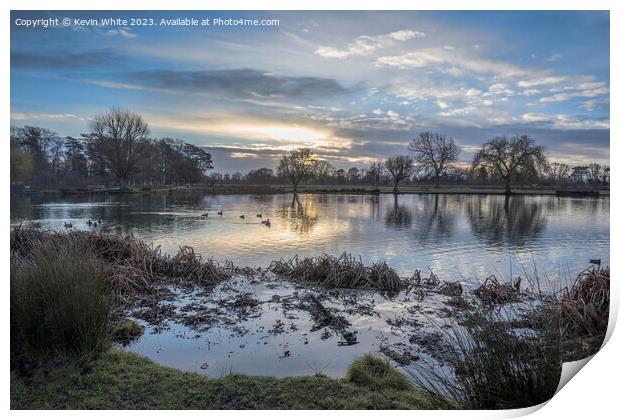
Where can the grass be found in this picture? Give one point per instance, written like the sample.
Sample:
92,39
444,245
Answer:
495,366
121,380
345,271
60,307
127,331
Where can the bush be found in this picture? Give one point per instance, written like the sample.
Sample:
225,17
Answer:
59,306
376,373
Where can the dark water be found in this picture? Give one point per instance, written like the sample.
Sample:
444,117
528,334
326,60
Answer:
459,237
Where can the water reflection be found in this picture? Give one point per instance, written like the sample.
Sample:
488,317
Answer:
398,216
454,235
507,221
300,217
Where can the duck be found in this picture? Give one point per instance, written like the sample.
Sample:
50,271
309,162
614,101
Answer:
242,216
68,225
259,215
205,215
89,223
99,221
221,212
266,223
95,224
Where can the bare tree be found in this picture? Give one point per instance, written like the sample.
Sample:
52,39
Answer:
558,172
507,158
323,170
434,153
376,171
121,138
399,168
297,166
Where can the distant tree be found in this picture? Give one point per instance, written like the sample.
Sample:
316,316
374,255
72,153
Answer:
507,158
580,174
435,153
76,163
376,171
323,171
558,172
353,175
21,164
36,141
236,178
595,173
121,139
214,178
341,176
260,176
399,168
297,165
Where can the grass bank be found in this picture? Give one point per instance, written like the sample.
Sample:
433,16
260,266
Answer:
121,380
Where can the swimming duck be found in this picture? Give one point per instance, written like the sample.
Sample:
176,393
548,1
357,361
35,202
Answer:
220,212
266,223
89,223
259,215
68,225
205,215
242,216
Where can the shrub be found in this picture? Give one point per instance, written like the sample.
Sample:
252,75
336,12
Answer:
376,373
59,306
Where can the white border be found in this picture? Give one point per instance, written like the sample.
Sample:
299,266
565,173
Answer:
593,394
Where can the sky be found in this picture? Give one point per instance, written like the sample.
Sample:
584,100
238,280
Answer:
355,86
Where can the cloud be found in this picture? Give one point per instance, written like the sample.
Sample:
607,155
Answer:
588,93
366,44
448,62
29,116
64,60
123,32
232,84
562,121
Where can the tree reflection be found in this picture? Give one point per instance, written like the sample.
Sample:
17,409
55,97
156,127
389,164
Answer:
301,217
510,220
436,218
398,216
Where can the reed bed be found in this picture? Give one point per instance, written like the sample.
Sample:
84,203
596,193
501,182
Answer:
345,271
492,292
131,265
581,313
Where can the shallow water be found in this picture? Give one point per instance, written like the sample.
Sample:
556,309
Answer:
459,237
278,336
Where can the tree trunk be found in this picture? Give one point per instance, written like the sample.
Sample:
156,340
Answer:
508,191
395,190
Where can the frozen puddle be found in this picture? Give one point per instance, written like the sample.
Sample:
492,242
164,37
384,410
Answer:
278,328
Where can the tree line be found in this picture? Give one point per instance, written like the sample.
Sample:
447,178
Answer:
433,158
117,150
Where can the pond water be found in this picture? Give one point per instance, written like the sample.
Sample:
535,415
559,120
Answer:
458,237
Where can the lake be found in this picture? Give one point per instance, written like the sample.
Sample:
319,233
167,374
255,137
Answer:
267,327
458,237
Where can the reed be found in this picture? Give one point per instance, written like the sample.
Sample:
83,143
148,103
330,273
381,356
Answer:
132,266
345,271
494,366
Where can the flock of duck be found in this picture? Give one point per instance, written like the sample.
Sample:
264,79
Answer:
258,215
98,222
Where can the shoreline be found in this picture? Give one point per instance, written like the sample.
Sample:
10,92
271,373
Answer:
328,189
